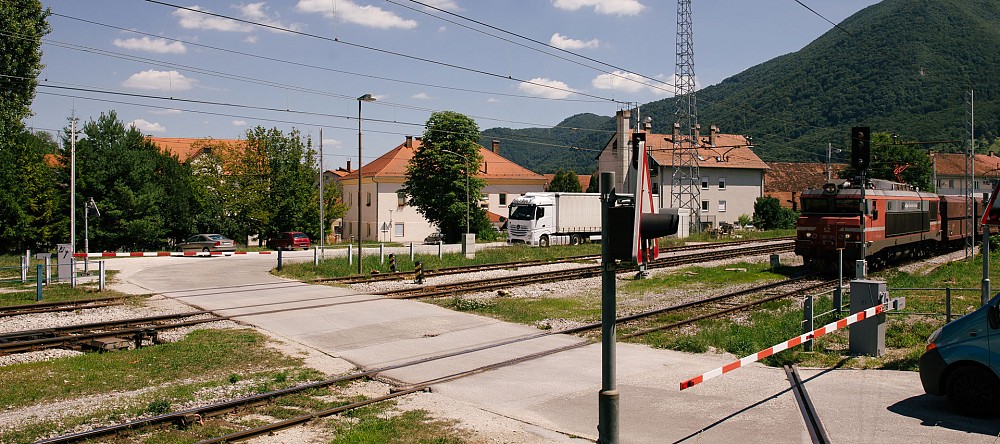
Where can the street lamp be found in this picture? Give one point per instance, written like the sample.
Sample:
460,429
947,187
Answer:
466,187
364,98
91,206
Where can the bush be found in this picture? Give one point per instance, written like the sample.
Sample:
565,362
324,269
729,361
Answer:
769,215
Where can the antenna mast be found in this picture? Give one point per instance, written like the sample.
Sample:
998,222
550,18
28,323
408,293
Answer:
684,190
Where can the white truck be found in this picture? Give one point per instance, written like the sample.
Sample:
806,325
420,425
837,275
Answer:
544,219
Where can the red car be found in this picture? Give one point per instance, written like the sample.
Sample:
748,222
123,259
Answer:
289,240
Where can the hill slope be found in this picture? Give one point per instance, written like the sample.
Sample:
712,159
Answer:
903,66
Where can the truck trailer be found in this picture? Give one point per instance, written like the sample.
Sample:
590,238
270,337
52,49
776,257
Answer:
543,219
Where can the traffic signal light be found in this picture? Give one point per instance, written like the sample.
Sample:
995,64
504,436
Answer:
861,153
651,226
637,138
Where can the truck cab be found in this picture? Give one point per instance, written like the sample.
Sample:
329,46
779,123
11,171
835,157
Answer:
531,220
962,361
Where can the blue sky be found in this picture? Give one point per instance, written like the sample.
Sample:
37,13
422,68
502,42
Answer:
248,72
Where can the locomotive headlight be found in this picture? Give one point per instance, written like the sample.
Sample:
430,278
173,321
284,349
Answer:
847,236
808,234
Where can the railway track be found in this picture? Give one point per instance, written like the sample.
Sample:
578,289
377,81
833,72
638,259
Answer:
518,264
100,335
578,273
189,416
53,307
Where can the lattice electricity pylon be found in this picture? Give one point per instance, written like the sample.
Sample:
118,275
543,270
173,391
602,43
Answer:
684,189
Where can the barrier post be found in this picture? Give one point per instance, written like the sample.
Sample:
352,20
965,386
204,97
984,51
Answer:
947,305
350,254
316,257
279,259
24,269
100,280
392,262
381,253
38,283
807,324
411,251
419,269
439,250
48,271
72,274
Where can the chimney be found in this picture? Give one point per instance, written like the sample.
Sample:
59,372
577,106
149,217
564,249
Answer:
712,132
496,146
696,129
409,141
677,132
348,164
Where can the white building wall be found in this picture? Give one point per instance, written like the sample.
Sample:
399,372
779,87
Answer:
742,188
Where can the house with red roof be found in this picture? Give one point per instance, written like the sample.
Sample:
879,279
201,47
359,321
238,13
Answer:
949,173
387,216
731,175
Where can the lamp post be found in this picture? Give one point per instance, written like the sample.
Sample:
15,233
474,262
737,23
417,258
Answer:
466,187
364,98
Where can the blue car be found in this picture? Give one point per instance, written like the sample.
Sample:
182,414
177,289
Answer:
962,362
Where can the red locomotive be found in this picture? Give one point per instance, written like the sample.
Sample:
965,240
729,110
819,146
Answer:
900,222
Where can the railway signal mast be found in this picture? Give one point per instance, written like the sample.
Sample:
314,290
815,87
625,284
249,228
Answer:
861,155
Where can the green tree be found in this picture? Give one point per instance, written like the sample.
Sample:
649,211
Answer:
27,211
293,190
769,215
892,159
145,196
565,182
436,175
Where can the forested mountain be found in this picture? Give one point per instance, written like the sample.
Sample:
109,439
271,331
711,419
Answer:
900,66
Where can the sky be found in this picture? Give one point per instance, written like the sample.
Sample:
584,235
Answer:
173,71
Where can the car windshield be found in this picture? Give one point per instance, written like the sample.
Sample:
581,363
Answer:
523,212
216,237
831,206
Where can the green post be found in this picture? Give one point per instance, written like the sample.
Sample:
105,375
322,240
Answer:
38,283
607,409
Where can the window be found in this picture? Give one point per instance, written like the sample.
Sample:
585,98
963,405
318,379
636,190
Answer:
951,183
369,226
400,199
704,205
369,200
398,229
722,183
503,199
539,213
722,206
704,183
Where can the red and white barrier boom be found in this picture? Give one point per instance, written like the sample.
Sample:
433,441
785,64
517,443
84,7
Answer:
856,317
167,253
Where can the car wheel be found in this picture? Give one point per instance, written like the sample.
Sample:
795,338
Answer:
543,241
973,391
206,250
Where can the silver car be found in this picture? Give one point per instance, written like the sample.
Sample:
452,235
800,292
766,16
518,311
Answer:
207,243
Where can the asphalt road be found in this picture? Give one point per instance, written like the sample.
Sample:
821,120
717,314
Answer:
559,392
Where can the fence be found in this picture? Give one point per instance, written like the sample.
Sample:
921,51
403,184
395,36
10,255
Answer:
38,271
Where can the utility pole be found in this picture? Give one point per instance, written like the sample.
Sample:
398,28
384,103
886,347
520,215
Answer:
72,183
322,197
970,171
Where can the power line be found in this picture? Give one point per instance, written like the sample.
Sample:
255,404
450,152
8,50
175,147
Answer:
328,69
384,51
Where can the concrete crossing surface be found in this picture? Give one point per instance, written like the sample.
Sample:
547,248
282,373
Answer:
554,398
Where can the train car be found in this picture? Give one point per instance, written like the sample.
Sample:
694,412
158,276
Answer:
955,220
900,222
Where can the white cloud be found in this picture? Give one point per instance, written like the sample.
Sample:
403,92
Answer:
196,20
239,123
547,88
165,112
149,127
328,143
350,12
447,5
608,7
563,42
257,12
420,96
159,80
160,46
628,82
251,39
492,100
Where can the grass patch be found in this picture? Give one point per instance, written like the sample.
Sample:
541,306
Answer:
204,354
708,277
375,424
528,310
